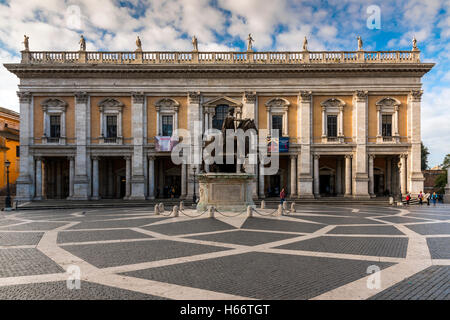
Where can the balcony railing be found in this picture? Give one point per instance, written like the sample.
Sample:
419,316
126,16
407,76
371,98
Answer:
216,57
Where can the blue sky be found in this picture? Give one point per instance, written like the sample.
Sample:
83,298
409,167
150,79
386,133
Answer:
225,24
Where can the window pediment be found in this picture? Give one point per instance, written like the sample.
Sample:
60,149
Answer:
333,105
54,104
387,104
167,104
110,104
223,100
280,104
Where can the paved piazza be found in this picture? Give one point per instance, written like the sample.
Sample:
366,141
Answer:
318,252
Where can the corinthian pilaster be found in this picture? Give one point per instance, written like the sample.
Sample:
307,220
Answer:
137,168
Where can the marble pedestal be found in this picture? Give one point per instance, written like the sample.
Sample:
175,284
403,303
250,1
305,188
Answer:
225,191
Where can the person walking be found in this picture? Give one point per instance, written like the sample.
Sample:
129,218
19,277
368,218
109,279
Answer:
434,198
428,199
408,197
420,196
282,196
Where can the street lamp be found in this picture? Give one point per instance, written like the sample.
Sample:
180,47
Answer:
194,197
8,196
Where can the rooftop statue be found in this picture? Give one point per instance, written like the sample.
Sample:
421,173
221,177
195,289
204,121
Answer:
82,44
250,41
25,42
360,44
194,43
138,44
305,44
414,42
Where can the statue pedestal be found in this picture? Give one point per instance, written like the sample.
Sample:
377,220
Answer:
225,191
447,194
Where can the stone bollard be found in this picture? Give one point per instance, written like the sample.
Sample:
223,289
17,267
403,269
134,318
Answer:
280,210
211,212
285,205
181,205
161,207
249,211
391,200
263,204
156,209
293,207
175,211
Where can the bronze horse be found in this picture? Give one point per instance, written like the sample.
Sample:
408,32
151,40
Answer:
244,124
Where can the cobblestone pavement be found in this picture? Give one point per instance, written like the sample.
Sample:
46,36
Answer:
317,252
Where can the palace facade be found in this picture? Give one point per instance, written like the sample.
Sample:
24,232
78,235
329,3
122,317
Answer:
94,125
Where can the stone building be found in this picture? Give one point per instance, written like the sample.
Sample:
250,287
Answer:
9,147
93,123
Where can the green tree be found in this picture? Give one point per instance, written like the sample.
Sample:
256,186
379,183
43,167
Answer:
441,180
424,157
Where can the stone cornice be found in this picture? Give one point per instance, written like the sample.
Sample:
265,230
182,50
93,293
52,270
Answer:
217,70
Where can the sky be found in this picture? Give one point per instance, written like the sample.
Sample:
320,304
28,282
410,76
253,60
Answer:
225,24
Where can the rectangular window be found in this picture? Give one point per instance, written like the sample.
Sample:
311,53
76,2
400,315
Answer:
167,126
111,126
17,151
277,124
332,125
386,125
55,126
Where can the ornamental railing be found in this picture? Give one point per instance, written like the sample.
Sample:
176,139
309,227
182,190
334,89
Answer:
272,57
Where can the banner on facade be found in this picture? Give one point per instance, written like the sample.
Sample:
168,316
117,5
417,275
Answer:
165,143
280,144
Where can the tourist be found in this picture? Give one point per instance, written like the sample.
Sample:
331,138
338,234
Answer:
282,196
408,197
420,196
434,198
428,199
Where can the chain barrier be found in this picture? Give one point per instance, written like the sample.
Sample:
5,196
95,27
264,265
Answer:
267,214
165,215
231,216
192,216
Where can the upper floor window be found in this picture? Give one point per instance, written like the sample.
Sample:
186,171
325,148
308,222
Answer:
17,151
333,120
219,116
386,125
277,124
110,120
332,126
277,115
55,126
166,116
54,120
167,126
387,120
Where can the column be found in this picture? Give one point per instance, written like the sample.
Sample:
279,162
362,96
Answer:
81,179
71,175
415,176
151,177
24,183
137,180
261,182
110,177
447,188
316,175
158,125
128,177
95,179
341,122
361,177
389,175
338,176
371,183
304,125
293,176
194,127
183,181
38,178
348,175
402,166
58,179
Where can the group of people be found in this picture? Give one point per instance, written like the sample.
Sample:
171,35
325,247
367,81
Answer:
421,197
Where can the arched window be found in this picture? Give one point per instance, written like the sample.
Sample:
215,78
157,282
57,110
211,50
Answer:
221,114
